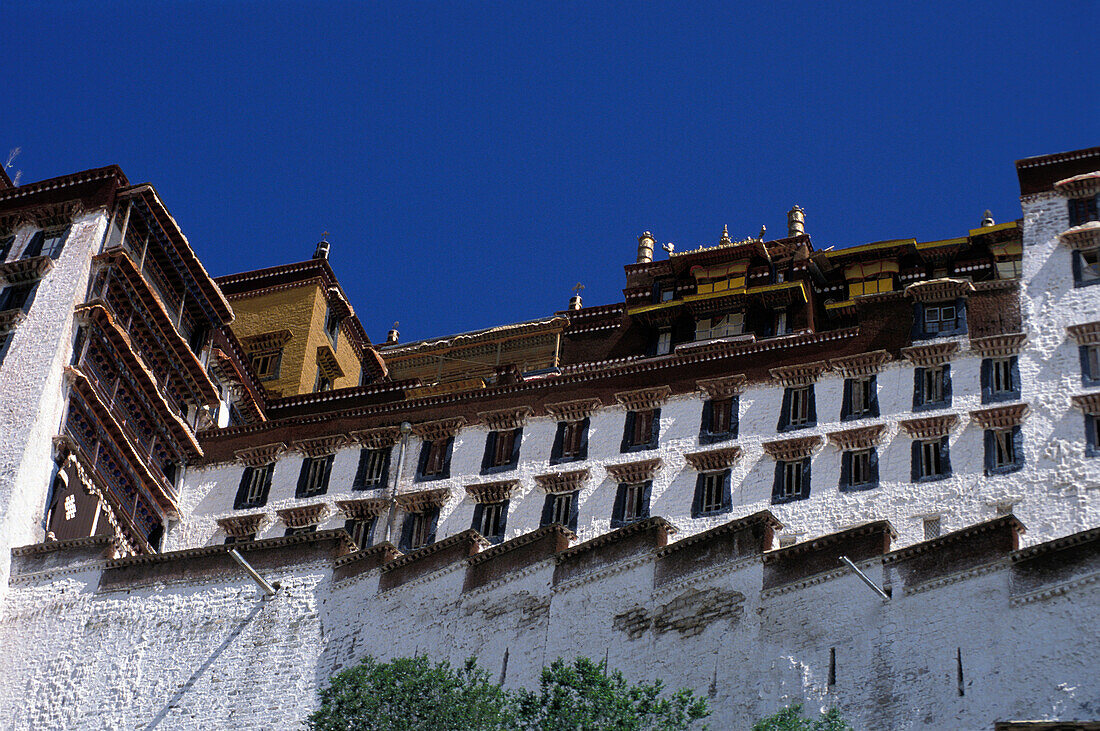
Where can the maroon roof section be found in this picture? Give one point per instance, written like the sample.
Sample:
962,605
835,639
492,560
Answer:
1039,174
93,188
5,181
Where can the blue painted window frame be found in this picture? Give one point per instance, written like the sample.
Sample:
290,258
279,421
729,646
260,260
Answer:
706,436
960,328
991,451
846,413
556,456
487,466
618,510
917,469
574,509
422,462
846,458
919,404
785,410
777,487
628,432
989,396
479,511
726,495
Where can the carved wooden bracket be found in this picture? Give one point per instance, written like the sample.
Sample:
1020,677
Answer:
800,374
326,361
864,364
303,516
929,427
1084,185
713,459
364,508
1085,236
262,455
430,431
644,398
632,472
935,354
502,419
57,214
492,492
273,340
787,450
321,446
1088,403
1000,417
418,502
939,290
722,388
9,222
995,346
574,410
26,270
379,438
559,482
240,526
1087,333
863,437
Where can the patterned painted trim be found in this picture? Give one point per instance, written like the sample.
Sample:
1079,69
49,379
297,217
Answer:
266,341
939,290
1084,185
1055,591
574,410
363,508
379,438
321,446
864,364
239,526
1087,402
720,388
1085,236
955,578
999,345
262,455
644,398
415,502
25,270
1086,333
304,516
815,579
442,429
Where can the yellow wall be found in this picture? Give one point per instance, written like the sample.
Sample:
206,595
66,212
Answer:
301,310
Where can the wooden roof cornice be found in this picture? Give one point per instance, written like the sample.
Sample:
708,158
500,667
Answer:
549,325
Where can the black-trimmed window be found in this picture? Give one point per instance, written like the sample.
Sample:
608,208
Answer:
501,450
1090,365
5,247
435,459
562,508
266,364
373,470
1083,210
641,430
570,442
719,421
712,494
254,487
46,243
324,383
361,531
313,479
418,529
860,398
931,387
1086,267
664,291
858,470
931,460
490,520
332,326
792,480
631,503
799,410
1004,450
939,319
1092,436
300,530
1000,379
18,296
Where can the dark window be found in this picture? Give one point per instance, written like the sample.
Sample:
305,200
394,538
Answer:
1082,210
712,494
313,479
1090,365
799,408
490,520
230,540
1086,267
501,450
858,470
324,383
631,503
17,296
373,469
561,508
1004,451
663,345
435,459
46,243
1092,437
792,481
719,420
418,530
932,388
641,430
1000,379
254,487
939,320
301,530
361,531
860,398
570,442
5,247
931,460
332,326
266,364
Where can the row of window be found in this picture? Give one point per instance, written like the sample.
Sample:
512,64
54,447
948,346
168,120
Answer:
47,242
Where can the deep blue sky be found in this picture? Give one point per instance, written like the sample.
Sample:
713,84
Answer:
472,162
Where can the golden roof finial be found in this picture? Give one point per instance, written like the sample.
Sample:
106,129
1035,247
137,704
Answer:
726,234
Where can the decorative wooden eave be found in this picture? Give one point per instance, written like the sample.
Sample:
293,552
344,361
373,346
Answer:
574,410
303,516
863,437
1000,417
1088,403
1084,236
644,398
326,361
379,438
430,431
57,214
558,482
633,472
933,354
1087,333
9,222
713,459
788,450
863,364
939,290
503,419
492,492
722,388
929,427
364,508
240,526
25,270
418,502
1084,185
995,346
338,303
10,319
799,374
273,340
262,455
321,446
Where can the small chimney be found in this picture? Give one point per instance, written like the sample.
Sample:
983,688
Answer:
645,247
322,250
796,222
987,219
392,336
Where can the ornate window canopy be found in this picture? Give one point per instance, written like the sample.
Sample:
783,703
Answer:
800,374
787,450
631,472
713,459
417,502
442,429
559,482
644,398
492,492
365,508
321,446
1088,403
929,427
240,526
1084,236
1084,185
1000,417
502,419
262,455
863,437
939,290
1086,333
326,361
273,340
721,388
935,354
577,410
25,270
863,364
999,345
303,516
378,438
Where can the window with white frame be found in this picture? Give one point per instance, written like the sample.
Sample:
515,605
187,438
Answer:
939,318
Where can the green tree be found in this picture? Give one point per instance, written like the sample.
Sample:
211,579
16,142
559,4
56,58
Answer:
791,719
